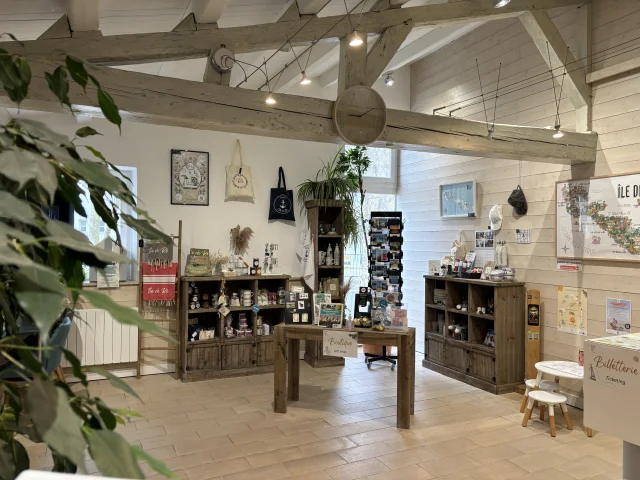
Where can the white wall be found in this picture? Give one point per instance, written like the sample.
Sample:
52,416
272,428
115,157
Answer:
450,75
148,147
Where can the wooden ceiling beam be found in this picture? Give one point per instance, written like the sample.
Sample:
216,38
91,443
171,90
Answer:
170,101
384,49
84,15
59,29
153,47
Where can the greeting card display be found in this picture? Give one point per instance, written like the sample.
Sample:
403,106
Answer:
298,309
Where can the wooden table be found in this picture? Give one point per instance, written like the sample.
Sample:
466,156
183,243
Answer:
561,369
287,357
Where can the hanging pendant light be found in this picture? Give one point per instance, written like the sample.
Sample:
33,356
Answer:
355,40
500,3
270,100
305,80
558,133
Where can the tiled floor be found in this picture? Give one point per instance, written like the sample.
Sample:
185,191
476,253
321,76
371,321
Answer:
343,427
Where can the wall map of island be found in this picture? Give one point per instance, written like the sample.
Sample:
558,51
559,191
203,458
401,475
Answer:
599,218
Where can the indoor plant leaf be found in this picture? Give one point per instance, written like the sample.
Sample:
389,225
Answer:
15,209
38,275
43,307
76,366
77,71
10,232
117,382
59,85
109,108
86,132
56,422
156,465
23,165
145,229
67,236
126,315
113,456
39,130
13,459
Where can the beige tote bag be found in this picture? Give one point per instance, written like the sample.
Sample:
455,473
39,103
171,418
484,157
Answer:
239,178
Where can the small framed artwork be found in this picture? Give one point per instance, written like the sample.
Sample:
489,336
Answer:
189,177
484,239
458,200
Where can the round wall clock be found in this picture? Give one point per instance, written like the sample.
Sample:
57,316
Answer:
360,115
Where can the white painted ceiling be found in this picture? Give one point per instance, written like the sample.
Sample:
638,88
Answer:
28,19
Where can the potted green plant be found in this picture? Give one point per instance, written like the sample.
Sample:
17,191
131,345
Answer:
41,269
340,179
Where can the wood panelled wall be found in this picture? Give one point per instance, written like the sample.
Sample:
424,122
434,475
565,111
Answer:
449,76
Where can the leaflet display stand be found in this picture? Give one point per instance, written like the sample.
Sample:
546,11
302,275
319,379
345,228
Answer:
385,273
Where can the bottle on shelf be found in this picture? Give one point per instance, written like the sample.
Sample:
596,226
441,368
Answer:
336,255
329,258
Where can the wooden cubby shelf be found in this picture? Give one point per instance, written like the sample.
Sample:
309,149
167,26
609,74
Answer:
227,357
495,369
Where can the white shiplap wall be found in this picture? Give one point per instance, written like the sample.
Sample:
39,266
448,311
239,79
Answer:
448,76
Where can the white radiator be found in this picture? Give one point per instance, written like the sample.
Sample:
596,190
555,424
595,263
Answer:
97,339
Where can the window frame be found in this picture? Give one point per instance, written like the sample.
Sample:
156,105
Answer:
384,185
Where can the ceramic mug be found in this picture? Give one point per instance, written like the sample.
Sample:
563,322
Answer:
265,329
246,298
235,300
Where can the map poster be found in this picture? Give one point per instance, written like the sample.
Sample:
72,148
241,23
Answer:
599,218
458,200
572,310
618,316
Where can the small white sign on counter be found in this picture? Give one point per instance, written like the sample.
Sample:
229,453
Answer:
339,343
612,385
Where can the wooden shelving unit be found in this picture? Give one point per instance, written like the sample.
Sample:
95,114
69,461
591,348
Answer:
331,212
227,357
494,369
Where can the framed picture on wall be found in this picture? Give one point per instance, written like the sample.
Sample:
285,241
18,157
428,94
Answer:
458,200
189,177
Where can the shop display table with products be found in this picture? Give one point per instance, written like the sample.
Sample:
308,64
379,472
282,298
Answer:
287,348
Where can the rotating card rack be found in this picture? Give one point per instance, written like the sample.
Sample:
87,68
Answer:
385,258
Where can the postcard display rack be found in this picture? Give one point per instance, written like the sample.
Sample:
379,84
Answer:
486,349
326,223
240,343
385,260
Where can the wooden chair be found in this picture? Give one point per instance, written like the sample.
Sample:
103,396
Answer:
548,399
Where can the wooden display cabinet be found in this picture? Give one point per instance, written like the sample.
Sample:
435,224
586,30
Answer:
226,357
494,369
330,213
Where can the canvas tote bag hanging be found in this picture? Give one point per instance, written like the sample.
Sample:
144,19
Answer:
239,178
281,205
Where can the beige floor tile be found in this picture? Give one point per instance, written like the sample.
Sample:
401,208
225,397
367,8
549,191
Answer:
535,443
164,421
445,466
452,447
351,471
495,453
503,435
533,462
254,435
162,453
328,446
455,476
373,450
237,451
133,434
577,449
312,464
215,430
584,467
407,457
187,461
248,418
503,470
218,469
547,474
379,435
306,426
321,475
411,472
276,456
272,472
172,439
184,447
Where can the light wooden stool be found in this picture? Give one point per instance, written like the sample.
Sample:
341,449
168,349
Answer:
531,384
550,399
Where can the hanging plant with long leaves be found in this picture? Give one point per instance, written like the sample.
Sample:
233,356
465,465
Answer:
41,271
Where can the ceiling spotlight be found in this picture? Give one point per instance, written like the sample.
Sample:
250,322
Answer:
305,80
389,81
270,100
500,3
558,133
355,41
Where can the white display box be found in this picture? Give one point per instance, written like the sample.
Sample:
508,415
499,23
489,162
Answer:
612,386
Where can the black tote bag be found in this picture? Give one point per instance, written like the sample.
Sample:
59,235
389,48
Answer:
281,205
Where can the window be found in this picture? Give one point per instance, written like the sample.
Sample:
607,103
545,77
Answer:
380,184
97,231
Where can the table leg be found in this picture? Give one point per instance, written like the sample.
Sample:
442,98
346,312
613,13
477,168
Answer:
280,371
403,419
293,359
537,386
589,432
412,349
